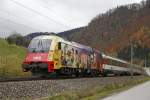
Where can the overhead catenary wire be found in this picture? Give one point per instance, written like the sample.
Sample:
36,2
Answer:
4,11
40,14
52,11
18,23
3,26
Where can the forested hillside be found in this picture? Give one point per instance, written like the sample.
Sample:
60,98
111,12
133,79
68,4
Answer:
114,31
71,34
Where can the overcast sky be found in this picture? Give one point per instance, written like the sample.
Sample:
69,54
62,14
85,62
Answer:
26,16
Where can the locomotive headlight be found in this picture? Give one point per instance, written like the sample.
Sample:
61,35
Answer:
37,58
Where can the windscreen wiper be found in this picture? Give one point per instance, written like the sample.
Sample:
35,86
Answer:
42,50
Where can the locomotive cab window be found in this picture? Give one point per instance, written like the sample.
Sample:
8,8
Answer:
39,45
59,45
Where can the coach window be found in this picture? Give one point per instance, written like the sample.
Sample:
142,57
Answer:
100,56
110,62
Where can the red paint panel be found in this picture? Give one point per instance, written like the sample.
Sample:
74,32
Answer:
51,66
39,57
36,57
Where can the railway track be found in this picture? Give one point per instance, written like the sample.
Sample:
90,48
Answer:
41,87
52,78
19,79
40,78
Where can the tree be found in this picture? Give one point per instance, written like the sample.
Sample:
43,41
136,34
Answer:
17,39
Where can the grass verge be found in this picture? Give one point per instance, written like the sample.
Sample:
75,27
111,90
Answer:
11,58
97,92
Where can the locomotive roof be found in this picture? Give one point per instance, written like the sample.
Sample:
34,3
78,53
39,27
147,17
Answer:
60,39
47,37
82,46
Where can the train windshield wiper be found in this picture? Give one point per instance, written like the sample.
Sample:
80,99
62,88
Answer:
39,47
32,50
42,50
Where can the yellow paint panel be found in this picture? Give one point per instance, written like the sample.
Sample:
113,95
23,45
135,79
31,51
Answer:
57,59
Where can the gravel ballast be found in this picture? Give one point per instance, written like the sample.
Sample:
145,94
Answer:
43,88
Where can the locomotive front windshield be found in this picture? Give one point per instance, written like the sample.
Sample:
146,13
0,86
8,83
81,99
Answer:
39,45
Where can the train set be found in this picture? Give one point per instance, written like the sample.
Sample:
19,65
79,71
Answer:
53,54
